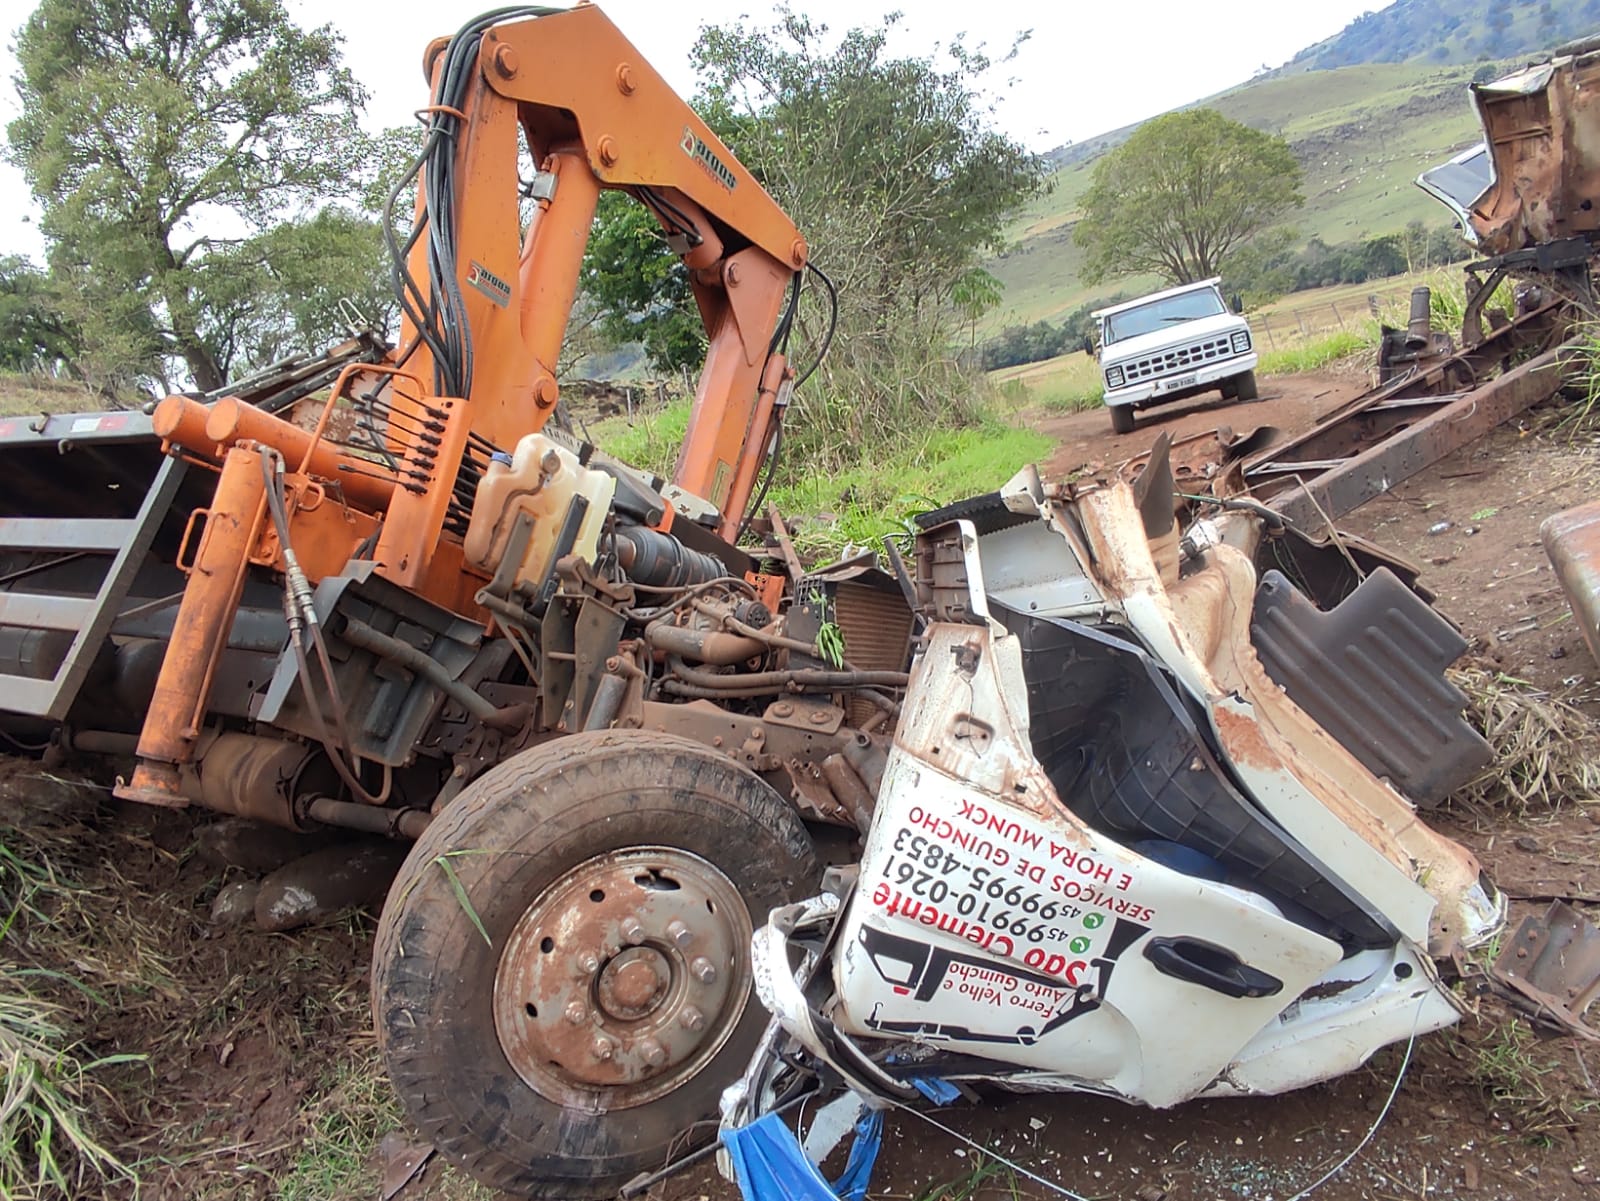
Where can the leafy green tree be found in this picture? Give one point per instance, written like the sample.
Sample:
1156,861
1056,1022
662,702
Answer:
888,165
891,169
161,137
34,334
1182,195
638,287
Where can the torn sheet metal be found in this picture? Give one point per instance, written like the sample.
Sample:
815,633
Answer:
1098,816
1572,540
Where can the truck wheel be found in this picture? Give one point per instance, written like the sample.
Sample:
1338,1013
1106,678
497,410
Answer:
1245,386
1122,418
561,979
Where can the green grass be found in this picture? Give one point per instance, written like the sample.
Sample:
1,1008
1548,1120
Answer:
1068,383
860,506
985,1180
1522,1084
1319,353
49,1142
863,503
349,1113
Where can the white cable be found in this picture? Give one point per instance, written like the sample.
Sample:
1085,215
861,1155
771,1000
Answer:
1372,1130
1377,1121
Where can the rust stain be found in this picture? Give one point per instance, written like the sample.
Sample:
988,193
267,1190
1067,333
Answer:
1244,741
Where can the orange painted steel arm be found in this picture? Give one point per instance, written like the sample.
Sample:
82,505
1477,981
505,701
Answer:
593,114
176,716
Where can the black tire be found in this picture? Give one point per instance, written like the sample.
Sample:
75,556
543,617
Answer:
1230,389
1122,418
1245,386
524,831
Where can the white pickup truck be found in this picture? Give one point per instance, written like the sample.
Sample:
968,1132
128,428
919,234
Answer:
1173,344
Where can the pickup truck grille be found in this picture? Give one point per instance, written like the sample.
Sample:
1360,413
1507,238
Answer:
1180,358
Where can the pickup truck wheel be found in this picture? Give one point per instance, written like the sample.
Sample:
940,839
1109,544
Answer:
1245,386
561,979
1122,418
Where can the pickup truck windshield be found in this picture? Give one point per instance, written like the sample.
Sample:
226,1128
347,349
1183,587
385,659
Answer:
1159,314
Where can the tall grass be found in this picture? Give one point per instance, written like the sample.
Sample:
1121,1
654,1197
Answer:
48,1141
1320,352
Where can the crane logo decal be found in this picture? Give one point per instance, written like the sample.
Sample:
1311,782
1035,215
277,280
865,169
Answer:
695,147
490,284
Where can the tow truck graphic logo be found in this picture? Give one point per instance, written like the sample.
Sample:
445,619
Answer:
919,969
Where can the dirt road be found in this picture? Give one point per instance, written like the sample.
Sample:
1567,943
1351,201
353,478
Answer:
1290,403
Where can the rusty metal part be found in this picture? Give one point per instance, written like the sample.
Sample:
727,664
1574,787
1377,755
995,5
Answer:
624,978
255,777
352,815
1419,345
1554,961
1538,126
850,789
607,704
875,625
1196,458
805,713
716,647
755,683
1325,489
1367,422
1572,540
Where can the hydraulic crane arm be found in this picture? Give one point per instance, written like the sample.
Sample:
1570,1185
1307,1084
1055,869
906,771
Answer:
485,304
488,305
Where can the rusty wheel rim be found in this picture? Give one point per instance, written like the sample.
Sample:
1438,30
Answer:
624,978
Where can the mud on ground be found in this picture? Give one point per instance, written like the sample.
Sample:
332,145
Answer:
261,1077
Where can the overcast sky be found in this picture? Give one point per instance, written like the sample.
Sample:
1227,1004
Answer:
1088,67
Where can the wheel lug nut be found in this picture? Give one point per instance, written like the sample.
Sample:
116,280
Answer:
654,1053
679,933
577,1014
691,1019
589,961
602,1048
632,931
704,970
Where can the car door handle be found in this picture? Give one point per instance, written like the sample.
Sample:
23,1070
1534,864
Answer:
1210,966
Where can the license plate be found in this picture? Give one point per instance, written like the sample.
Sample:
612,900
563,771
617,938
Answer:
1182,381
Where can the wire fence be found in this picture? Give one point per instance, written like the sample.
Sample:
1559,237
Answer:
1291,327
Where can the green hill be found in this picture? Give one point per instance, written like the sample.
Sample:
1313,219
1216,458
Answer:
1452,31
1361,133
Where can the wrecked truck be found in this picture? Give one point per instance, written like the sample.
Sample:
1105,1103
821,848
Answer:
1110,853
1108,802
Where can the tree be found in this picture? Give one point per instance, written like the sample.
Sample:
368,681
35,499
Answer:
161,136
639,288
34,334
890,168
1181,195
